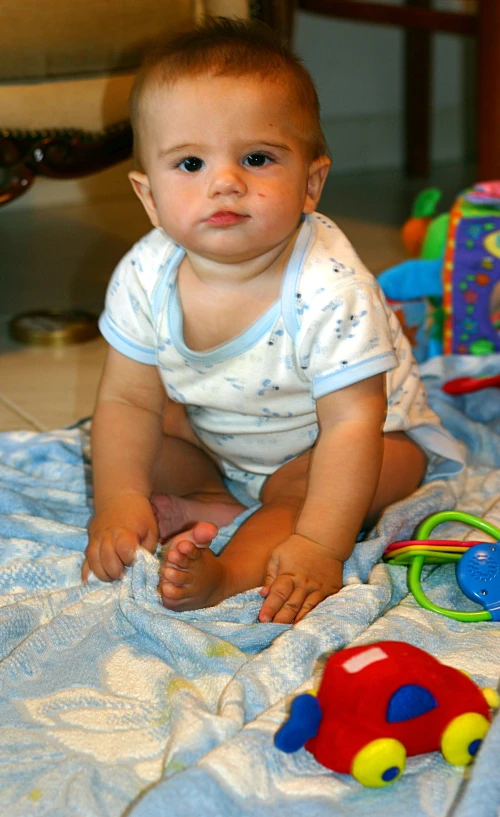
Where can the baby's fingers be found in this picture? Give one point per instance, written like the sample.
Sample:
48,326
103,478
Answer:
311,601
291,608
125,548
102,560
279,594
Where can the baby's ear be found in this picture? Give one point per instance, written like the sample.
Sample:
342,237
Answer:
142,189
318,171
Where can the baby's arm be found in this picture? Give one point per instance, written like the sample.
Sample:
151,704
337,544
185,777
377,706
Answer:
344,473
126,439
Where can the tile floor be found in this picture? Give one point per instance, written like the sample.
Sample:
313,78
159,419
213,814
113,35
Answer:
60,255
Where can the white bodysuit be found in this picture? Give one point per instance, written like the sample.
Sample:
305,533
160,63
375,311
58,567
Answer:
252,400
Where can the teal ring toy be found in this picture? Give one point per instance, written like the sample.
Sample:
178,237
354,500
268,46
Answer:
421,556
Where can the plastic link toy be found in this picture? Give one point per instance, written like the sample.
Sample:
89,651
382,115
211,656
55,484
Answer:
466,385
478,564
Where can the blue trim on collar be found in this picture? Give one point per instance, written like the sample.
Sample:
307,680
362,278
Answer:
236,346
166,276
249,337
292,277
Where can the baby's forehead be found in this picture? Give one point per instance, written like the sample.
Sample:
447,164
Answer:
260,96
259,85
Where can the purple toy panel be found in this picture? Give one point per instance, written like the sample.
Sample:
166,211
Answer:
476,286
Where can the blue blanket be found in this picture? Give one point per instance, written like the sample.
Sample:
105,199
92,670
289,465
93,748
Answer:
112,705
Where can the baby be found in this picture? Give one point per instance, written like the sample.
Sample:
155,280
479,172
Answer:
249,346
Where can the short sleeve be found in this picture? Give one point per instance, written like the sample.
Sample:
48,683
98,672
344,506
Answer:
347,336
127,322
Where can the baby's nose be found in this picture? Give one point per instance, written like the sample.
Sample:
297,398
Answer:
227,180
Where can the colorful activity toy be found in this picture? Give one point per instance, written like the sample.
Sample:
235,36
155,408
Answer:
378,704
449,297
471,273
478,564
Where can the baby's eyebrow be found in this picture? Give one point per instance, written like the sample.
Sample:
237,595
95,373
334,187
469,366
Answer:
256,144
167,151
279,145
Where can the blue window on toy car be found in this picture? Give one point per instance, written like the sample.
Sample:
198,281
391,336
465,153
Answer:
409,701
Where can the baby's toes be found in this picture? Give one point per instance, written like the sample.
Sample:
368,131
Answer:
176,558
172,575
171,593
188,551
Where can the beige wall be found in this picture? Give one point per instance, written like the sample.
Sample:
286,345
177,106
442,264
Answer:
71,64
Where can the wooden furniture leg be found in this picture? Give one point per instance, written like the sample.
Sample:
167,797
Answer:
419,19
417,97
488,89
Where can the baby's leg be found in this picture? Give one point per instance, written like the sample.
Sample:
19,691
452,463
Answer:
403,469
193,577
188,486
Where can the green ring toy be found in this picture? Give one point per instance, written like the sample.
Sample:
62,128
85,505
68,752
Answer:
478,568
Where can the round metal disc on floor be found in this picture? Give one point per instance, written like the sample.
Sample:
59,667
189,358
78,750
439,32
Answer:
54,327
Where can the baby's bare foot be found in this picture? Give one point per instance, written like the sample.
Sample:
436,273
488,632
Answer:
175,514
191,576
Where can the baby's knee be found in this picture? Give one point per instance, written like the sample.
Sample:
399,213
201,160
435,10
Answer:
289,482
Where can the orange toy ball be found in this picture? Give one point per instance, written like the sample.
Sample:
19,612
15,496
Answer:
413,233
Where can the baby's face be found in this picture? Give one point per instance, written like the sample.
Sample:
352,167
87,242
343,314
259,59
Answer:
227,165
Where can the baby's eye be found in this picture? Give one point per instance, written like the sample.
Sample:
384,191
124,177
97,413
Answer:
191,164
257,159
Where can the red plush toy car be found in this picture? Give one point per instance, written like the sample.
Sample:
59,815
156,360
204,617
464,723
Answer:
379,703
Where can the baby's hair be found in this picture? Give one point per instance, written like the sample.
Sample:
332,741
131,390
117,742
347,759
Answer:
228,47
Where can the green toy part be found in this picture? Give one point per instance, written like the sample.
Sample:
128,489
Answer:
425,204
435,238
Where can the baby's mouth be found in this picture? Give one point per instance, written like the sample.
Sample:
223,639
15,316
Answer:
225,218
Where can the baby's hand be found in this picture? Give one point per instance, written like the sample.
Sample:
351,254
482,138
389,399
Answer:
300,573
115,533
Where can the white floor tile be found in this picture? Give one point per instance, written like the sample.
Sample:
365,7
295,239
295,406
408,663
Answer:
53,387
12,420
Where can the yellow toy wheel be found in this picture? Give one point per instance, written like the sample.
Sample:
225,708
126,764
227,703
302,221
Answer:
379,763
491,697
462,738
